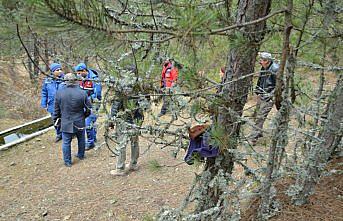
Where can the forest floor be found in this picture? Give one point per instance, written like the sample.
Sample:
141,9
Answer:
35,185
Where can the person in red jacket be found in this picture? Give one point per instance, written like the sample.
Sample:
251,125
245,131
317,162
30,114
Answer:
168,80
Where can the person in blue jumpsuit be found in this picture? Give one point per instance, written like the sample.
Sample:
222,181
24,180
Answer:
50,86
92,87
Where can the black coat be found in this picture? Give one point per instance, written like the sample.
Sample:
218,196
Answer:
72,106
267,80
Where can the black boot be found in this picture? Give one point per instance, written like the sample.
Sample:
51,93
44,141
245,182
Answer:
58,138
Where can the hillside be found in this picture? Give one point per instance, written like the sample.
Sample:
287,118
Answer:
35,185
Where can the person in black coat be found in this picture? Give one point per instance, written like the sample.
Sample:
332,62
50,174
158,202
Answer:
71,108
265,92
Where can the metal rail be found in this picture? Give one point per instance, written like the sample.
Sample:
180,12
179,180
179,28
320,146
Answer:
26,131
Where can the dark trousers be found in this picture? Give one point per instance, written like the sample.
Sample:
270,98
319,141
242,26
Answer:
91,129
165,104
66,144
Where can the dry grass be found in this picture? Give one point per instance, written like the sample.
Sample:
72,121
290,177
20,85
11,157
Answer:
19,99
325,204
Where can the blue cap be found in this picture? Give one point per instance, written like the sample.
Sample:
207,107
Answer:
55,66
80,67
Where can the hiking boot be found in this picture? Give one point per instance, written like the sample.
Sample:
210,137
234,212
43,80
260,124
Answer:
80,158
58,139
161,114
118,172
89,146
132,167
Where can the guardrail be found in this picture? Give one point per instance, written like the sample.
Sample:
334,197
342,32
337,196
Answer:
24,132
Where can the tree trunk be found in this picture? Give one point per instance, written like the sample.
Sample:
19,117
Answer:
211,191
29,61
279,134
330,133
241,62
285,52
29,68
46,54
299,41
331,136
228,4
276,152
35,56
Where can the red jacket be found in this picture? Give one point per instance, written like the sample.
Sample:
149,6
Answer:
169,75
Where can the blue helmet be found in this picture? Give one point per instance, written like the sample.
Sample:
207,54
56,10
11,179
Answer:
80,67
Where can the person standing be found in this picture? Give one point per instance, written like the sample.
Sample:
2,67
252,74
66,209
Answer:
72,106
89,83
49,88
265,92
127,112
169,76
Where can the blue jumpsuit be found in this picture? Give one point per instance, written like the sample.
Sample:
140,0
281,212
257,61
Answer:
93,92
49,89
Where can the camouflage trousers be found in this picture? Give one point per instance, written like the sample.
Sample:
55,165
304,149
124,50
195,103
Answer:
123,138
263,107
